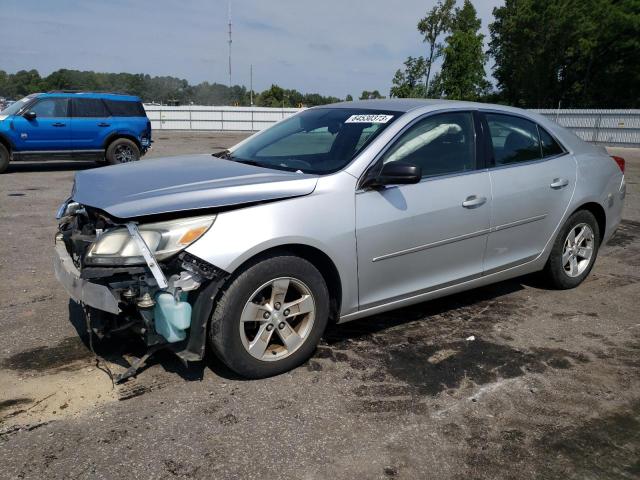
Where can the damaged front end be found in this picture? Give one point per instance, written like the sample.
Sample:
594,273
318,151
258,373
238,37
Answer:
140,274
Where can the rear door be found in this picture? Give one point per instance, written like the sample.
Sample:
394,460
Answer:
48,131
91,124
533,179
416,238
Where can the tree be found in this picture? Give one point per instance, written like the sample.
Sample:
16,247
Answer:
152,89
348,99
436,22
580,53
407,83
366,95
463,76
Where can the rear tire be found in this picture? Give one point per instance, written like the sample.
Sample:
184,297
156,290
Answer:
122,150
5,157
283,335
574,252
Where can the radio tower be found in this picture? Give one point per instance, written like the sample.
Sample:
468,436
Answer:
230,43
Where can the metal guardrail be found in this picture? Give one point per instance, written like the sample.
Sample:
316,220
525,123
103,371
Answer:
603,127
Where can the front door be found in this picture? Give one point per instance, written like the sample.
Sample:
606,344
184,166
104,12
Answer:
48,131
533,180
421,237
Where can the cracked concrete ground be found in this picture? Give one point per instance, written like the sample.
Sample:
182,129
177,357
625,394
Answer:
549,387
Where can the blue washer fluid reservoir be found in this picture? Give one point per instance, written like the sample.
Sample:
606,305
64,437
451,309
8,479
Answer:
171,317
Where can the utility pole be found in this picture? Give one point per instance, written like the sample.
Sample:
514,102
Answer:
251,83
230,41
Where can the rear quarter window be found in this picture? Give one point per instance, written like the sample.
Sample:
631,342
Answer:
125,108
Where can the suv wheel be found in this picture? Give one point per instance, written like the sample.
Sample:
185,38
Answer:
574,251
270,318
122,150
4,158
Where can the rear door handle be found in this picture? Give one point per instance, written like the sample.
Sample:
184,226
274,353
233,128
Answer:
474,201
58,124
102,124
559,183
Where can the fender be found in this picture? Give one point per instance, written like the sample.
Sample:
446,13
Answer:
6,140
121,134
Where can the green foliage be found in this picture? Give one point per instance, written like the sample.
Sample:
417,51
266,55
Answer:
152,89
367,95
580,53
349,98
436,22
462,76
408,83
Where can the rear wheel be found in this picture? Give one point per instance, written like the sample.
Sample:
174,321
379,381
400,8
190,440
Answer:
122,150
574,251
4,158
270,318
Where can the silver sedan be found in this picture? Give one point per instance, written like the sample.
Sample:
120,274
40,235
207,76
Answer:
334,214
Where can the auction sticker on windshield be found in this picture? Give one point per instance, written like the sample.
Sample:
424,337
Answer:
369,118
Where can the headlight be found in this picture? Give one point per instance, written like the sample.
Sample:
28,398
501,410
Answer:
164,239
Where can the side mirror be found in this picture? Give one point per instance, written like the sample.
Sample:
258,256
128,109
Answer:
30,115
395,173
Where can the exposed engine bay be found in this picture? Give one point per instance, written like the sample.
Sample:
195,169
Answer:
155,296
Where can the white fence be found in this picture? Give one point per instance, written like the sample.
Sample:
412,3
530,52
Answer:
194,117
619,128
605,127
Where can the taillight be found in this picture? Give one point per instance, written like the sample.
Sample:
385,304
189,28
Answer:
619,161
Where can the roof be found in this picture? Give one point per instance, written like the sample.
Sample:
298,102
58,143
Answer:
407,104
105,95
398,104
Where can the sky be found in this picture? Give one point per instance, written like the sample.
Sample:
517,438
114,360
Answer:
332,47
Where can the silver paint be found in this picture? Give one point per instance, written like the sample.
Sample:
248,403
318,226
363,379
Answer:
431,244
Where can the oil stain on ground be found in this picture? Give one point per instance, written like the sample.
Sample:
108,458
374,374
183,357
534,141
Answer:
13,403
62,356
479,361
606,447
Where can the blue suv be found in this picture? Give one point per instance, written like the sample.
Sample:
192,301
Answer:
106,127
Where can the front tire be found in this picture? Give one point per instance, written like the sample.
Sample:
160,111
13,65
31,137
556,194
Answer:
122,150
270,318
574,252
5,157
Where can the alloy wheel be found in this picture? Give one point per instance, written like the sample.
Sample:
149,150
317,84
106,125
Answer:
578,250
277,319
124,154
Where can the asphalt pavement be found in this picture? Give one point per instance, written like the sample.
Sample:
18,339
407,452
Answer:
507,381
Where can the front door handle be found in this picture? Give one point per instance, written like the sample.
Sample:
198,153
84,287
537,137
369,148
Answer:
102,124
474,201
58,124
559,183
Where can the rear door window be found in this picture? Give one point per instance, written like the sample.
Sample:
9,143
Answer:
89,108
513,139
125,108
550,147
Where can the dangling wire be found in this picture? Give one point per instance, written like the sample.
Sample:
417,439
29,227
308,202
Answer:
105,369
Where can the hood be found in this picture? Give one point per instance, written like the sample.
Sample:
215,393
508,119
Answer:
2,117
175,184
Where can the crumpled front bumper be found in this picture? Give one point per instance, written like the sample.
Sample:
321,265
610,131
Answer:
79,289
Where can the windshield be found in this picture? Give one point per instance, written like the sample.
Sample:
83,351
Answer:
319,141
16,106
